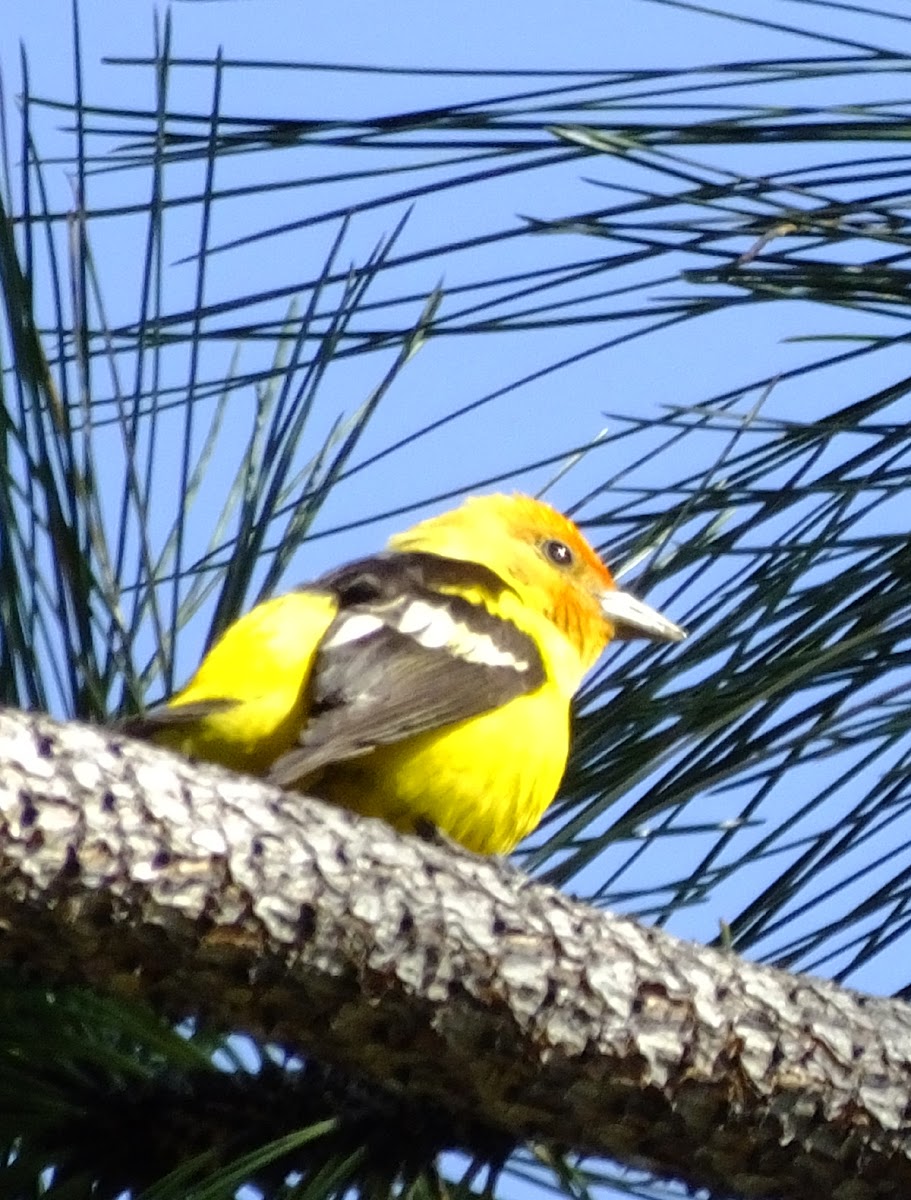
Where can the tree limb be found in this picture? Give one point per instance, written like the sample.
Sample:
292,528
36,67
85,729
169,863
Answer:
440,975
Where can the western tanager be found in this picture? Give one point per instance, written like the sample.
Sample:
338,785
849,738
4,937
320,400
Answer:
428,684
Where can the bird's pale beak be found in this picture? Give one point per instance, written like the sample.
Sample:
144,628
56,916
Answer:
631,618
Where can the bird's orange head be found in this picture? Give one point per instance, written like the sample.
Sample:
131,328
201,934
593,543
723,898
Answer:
542,556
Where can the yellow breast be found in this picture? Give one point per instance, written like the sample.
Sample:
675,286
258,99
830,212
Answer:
484,782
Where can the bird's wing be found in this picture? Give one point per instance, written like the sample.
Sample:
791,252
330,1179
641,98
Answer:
161,716
402,658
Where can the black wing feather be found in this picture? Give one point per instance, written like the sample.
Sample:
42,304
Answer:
153,720
388,576
386,685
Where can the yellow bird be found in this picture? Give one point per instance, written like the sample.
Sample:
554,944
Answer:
427,684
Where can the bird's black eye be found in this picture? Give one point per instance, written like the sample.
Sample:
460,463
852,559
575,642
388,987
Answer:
558,553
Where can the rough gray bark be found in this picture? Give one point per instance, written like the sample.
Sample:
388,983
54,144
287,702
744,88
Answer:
441,974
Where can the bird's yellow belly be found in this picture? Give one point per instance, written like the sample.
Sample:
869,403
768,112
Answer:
484,782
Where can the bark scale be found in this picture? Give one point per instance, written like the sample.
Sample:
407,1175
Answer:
440,975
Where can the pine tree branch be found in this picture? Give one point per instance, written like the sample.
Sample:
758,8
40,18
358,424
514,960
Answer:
442,976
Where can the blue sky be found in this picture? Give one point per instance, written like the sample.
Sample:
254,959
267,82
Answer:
539,418
544,416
